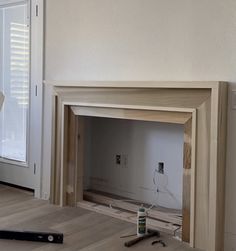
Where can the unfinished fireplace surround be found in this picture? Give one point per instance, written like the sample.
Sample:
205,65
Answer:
199,106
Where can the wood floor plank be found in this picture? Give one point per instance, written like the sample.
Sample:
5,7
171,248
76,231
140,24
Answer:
83,230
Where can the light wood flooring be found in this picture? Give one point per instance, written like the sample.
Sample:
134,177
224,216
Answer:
83,230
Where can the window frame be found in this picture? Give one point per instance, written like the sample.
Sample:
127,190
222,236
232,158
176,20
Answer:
9,3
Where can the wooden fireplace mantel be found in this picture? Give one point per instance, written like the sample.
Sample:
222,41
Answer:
199,106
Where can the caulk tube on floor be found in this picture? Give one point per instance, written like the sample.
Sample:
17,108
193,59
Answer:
141,222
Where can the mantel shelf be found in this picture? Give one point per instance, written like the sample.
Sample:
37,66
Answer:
136,84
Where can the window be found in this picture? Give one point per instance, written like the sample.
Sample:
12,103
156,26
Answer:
14,80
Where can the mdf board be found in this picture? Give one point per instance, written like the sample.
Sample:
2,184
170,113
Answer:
143,98
72,158
205,102
137,114
202,175
217,166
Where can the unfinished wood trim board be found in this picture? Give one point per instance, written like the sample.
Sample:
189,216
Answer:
199,106
187,180
164,216
129,217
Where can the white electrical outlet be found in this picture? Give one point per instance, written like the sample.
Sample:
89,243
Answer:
118,160
121,160
233,99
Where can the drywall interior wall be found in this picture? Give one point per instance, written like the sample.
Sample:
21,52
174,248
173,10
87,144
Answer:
144,40
141,146
140,40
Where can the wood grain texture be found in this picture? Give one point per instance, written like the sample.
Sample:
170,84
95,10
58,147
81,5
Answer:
72,145
108,200
65,137
221,155
207,105
202,175
56,152
193,178
72,131
128,216
80,158
187,143
143,115
217,167
171,98
187,180
82,229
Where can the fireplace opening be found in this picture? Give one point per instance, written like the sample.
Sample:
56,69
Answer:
201,107
129,163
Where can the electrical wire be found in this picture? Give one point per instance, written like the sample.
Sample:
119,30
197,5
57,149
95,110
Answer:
158,189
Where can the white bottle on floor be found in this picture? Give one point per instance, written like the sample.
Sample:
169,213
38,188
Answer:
141,222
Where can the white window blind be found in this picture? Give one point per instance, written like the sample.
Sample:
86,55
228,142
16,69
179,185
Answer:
14,81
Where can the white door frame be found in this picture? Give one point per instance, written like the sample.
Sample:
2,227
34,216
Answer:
34,145
37,35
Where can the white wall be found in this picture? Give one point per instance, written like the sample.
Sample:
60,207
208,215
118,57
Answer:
142,145
147,40
1,45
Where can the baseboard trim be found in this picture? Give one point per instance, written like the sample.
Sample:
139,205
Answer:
16,186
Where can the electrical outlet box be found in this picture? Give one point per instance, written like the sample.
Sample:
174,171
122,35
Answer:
161,167
121,160
118,159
